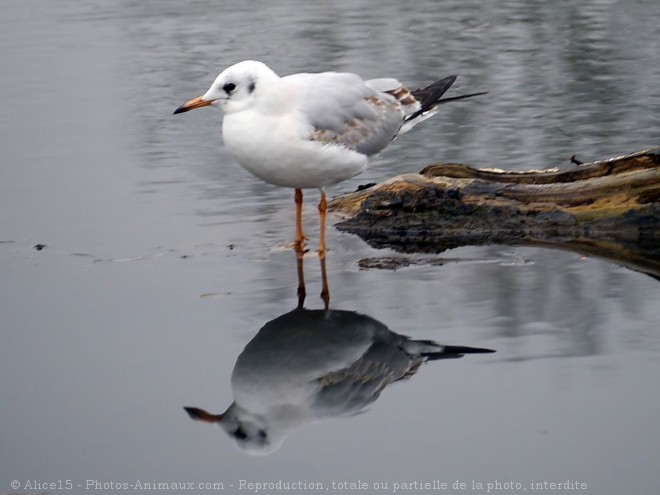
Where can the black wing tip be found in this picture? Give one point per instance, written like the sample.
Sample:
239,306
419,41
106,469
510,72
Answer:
461,97
443,81
460,349
453,351
433,92
431,95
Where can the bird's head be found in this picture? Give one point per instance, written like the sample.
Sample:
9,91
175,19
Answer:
235,89
250,432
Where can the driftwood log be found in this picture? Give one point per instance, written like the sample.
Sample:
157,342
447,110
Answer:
609,209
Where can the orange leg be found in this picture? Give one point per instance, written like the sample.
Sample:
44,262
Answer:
325,291
299,246
299,243
322,209
301,279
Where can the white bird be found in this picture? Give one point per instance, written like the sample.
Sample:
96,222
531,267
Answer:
313,130
310,365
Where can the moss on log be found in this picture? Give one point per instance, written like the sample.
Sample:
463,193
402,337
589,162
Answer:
609,208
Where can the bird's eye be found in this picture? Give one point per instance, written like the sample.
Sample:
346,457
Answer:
240,433
229,87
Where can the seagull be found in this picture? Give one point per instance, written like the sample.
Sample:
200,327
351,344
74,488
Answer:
312,365
313,130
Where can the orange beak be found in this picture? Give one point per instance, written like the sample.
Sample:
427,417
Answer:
201,415
192,104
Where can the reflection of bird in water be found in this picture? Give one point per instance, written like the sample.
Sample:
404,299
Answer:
309,365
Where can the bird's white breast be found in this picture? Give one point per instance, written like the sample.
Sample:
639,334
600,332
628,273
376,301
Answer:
276,148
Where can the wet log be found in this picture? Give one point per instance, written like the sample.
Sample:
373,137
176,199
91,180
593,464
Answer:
609,208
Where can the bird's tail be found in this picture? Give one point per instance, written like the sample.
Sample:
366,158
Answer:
429,98
433,351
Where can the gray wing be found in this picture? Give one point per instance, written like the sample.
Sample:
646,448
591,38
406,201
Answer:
349,390
343,109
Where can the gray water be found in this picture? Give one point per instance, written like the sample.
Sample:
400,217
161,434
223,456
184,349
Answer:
164,258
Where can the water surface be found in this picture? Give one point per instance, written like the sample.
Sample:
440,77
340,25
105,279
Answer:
164,258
